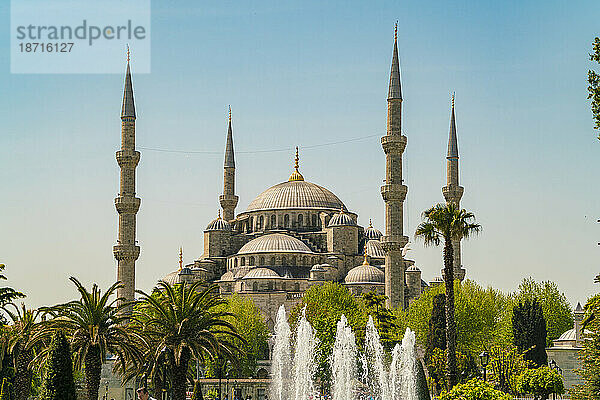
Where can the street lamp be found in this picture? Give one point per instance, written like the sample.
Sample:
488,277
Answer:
484,359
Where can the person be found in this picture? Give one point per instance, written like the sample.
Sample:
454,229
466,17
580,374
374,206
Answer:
143,394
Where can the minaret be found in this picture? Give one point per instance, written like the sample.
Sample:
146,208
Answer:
228,199
453,191
394,191
126,251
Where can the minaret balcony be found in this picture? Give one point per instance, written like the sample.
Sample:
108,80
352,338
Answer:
393,242
128,158
126,252
393,143
453,193
394,192
228,201
127,205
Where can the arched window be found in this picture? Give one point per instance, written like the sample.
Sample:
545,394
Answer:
286,221
269,286
293,260
306,260
255,286
261,220
272,261
297,287
314,260
235,263
300,220
273,221
283,286
283,261
251,262
242,261
314,220
261,261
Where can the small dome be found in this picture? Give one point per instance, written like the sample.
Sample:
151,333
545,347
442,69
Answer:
172,278
365,273
185,271
375,249
568,335
275,242
341,219
372,233
218,224
317,268
227,277
413,268
261,273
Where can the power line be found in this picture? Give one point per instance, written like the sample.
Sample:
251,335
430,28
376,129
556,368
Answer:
257,151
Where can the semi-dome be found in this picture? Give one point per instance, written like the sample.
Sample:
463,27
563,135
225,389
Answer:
375,249
218,224
372,233
261,273
341,219
365,273
296,194
273,243
227,277
413,268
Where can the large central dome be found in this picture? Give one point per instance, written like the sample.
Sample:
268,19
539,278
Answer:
296,194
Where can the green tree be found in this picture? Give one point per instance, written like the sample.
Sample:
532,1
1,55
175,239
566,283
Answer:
540,382
6,389
475,389
506,364
446,222
249,324
483,316
436,335
555,306
58,383
590,359
184,322
529,332
325,304
95,327
383,317
22,344
594,85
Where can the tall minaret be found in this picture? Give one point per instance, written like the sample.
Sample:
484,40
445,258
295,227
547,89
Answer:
228,199
394,191
126,251
453,191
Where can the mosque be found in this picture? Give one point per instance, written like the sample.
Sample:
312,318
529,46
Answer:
296,233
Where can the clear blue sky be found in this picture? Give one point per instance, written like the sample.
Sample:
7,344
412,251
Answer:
307,73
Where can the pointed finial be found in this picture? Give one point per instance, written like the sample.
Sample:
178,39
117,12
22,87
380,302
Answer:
396,31
180,258
296,175
366,261
453,93
128,54
219,214
370,223
230,113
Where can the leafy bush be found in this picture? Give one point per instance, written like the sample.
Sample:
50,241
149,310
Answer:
540,382
475,389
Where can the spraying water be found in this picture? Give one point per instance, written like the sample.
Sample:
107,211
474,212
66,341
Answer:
281,357
304,360
377,373
343,362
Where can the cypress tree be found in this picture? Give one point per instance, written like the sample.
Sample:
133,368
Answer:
436,337
529,332
58,381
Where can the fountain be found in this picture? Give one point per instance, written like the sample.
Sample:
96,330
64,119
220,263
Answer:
382,378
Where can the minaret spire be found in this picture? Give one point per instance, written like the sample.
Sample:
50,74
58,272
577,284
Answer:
394,190
453,191
126,251
228,199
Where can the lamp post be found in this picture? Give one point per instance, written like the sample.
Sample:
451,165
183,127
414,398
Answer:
484,359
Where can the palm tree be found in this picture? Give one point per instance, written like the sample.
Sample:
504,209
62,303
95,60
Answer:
95,327
23,344
180,323
447,222
7,294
